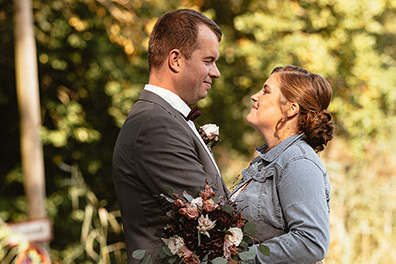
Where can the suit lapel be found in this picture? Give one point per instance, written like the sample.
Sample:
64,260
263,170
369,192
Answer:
154,98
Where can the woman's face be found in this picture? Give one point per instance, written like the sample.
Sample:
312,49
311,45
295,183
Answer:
266,110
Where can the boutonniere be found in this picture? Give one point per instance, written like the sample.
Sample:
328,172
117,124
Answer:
209,134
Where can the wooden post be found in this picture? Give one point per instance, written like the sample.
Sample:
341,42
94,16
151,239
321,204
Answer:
29,108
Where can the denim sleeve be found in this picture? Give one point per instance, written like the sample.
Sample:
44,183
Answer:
302,197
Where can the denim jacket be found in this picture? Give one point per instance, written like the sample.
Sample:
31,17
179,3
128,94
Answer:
288,198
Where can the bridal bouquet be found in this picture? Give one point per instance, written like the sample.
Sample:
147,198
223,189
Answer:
205,229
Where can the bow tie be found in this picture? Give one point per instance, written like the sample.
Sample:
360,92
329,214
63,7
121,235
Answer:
194,114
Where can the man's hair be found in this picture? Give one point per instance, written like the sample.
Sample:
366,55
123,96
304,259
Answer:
177,30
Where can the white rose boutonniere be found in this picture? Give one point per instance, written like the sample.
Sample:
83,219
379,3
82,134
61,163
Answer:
209,134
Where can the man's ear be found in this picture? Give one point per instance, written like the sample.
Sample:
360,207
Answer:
174,60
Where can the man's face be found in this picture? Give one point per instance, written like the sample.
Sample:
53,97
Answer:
198,71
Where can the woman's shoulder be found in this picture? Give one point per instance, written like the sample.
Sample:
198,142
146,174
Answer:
300,153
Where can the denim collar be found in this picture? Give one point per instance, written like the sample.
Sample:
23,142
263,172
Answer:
272,154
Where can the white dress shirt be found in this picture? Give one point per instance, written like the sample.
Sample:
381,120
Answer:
176,102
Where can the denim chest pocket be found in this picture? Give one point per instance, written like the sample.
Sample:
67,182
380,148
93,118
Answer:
268,209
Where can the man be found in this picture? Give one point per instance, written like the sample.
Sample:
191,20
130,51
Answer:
157,146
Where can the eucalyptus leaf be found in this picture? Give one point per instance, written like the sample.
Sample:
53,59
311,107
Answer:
167,198
219,260
249,228
161,253
172,260
146,260
167,250
188,197
216,199
169,190
264,249
227,208
250,254
243,244
139,253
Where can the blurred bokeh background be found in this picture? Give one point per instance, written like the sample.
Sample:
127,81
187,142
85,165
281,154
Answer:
92,66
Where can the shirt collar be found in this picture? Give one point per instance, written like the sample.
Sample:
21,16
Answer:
278,149
173,99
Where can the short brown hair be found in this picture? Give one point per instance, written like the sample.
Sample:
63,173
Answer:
177,30
313,94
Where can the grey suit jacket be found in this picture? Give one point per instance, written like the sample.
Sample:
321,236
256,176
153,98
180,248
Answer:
156,147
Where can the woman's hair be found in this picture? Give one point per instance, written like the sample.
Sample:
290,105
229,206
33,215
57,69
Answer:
177,30
313,94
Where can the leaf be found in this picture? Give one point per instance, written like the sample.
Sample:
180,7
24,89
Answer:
227,232
216,199
161,253
167,251
188,197
167,198
243,244
146,260
250,254
264,249
249,228
173,259
170,213
219,260
169,190
139,253
199,238
227,208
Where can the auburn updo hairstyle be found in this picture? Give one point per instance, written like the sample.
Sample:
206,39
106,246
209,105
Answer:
313,94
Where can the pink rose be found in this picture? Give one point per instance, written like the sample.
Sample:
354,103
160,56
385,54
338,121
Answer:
192,212
209,205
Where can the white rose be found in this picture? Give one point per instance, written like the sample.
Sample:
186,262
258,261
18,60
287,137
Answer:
175,245
197,202
211,129
236,236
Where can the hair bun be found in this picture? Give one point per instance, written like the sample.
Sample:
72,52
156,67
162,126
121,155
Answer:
317,128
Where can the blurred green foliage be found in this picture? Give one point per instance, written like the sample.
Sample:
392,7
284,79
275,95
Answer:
92,67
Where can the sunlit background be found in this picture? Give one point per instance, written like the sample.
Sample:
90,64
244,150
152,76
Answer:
92,66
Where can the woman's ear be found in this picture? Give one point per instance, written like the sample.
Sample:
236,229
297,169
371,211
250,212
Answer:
174,60
293,110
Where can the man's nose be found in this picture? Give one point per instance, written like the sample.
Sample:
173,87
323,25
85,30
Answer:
214,71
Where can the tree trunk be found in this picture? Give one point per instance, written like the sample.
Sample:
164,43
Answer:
29,108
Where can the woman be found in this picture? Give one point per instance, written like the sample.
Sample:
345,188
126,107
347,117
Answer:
286,190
